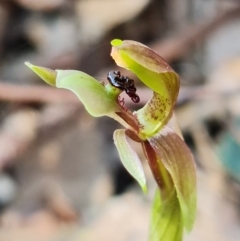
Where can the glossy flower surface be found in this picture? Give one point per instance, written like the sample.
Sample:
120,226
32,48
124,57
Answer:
169,159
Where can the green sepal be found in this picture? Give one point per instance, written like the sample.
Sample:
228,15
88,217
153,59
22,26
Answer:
155,73
97,99
129,158
178,161
48,75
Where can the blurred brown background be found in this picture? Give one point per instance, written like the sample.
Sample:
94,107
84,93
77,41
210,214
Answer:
61,178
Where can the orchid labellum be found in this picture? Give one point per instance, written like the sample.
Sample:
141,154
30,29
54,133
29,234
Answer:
169,159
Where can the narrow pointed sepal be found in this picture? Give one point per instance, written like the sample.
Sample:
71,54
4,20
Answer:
97,99
129,158
48,75
179,162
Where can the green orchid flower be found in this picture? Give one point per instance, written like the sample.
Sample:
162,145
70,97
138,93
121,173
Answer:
170,160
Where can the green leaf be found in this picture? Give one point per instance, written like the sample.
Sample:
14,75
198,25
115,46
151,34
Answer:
48,75
129,158
154,72
166,219
179,162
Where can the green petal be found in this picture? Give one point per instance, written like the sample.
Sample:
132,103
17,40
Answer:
166,219
129,158
179,162
154,72
48,75
97,99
